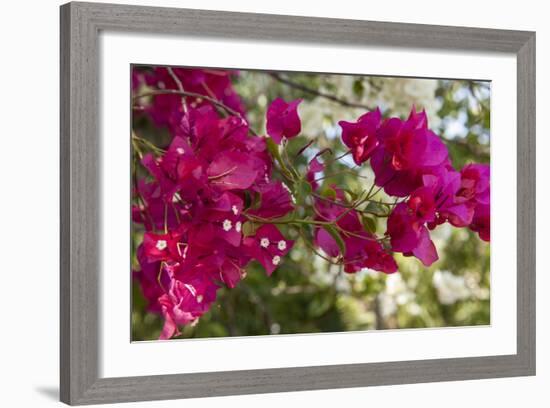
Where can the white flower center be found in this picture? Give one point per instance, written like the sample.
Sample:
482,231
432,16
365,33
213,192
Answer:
227,225
180,150
199,299
235,210
276,260
281,245
238,226
264,242
161,244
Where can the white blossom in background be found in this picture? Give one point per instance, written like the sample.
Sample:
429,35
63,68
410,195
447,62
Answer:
394,94
388,307
450,288
397,293
320,118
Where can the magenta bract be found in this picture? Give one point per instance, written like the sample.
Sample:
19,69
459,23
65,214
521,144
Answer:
361,136
283,120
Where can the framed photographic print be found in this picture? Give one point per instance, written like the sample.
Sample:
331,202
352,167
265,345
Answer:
259,203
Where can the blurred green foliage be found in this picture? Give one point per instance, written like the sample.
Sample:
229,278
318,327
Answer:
308,295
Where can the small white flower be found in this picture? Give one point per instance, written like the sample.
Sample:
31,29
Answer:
238,226
180,150
264,242
161,244
281,245
276,260
227,225
199,299
235,210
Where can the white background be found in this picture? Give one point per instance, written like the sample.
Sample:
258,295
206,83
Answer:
29,205
120,358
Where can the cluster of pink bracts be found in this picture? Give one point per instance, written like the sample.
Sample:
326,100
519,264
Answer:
217,175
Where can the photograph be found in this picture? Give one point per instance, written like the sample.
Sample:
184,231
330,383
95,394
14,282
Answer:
268,203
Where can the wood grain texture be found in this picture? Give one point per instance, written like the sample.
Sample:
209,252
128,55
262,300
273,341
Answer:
81,235
526,202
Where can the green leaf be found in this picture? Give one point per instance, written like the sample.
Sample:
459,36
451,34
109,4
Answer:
377,208
369,223
351,195
329,193
336,236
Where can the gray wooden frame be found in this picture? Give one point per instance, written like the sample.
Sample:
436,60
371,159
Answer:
80,233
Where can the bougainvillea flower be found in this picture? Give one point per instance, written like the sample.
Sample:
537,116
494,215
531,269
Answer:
268,247
184,303
231,272
378,258
475,179
158,247
152,210
406,151
481,222
326,242
231,170
409,235
176,173
361,248
360,136
283,120
422,204
444,188
166,109
364,251
208,134
275,201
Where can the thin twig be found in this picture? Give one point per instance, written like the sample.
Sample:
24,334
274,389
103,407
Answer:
179,85
312,91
